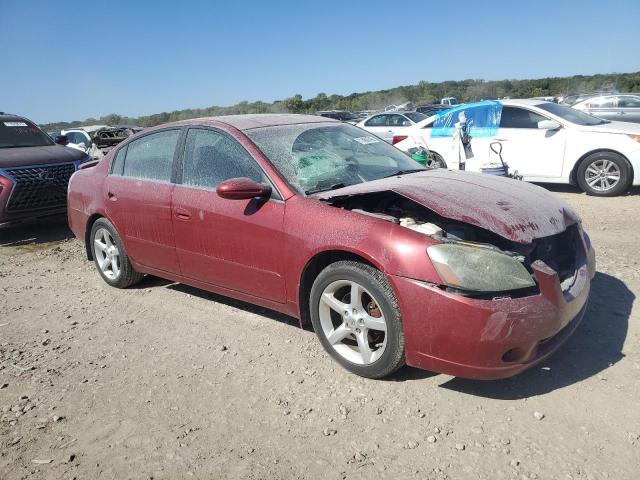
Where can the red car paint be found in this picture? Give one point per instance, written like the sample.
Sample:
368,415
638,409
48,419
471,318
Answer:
258,252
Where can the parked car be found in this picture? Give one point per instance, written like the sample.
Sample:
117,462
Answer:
81,140
402,107
468,274
108,137
432,109
341,115
34,171
451,101
387,124
548,142
621,107
579,97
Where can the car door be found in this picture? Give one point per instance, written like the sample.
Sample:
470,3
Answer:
602,107
379,126
532,151
138,192
236,244
628,108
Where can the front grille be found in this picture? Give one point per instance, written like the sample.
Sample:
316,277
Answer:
39,187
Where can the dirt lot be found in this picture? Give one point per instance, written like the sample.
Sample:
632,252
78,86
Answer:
165,381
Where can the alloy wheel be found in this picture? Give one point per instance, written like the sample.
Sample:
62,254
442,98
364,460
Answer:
602,175
107,254
353,322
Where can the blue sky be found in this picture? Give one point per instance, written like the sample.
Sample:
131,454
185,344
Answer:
71,60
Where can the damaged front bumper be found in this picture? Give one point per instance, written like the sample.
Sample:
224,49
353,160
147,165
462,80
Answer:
491,339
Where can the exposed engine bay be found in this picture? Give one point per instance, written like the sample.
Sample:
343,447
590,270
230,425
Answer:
560,252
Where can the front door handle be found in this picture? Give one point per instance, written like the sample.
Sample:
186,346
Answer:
182,214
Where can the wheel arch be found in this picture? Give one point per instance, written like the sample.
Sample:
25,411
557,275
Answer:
87,233
312,269
573,177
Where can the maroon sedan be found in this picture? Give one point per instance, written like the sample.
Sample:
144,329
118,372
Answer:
462,273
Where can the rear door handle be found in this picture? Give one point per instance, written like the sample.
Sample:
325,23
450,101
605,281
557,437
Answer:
112,196
182,214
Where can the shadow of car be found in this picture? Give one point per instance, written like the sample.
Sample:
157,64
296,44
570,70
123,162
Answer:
594,347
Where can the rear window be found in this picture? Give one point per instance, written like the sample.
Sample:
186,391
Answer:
151,157
415,117
16,133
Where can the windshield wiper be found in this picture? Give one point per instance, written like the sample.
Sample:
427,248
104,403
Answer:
324,189
404,172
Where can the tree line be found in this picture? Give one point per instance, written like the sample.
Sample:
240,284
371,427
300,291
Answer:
422,93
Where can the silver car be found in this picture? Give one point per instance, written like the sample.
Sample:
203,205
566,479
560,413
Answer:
618,107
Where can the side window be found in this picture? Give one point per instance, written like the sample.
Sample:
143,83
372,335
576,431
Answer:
76,137
629,102
151,157
210,157
513,117
377,121
118,161
398,121
601,102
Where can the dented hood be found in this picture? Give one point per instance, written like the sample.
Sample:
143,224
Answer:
512,209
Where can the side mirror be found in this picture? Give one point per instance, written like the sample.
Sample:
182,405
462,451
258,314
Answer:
61,140
242,188
549,125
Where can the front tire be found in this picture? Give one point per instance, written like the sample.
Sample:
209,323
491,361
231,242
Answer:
356,317
110,256
604,174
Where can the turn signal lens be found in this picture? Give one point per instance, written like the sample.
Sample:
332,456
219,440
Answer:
635,137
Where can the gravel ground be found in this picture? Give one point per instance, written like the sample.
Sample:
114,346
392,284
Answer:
165,381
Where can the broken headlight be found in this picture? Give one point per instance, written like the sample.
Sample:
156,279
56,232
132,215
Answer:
478,269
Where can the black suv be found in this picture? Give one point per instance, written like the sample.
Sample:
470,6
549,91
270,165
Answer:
34,171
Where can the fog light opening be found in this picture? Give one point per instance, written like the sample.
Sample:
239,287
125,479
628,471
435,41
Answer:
514,355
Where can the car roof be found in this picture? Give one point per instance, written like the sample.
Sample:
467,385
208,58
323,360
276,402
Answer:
257,120
522,101
392,112
11,117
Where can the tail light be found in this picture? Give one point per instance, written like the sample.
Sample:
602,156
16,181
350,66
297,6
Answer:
398,138
5,183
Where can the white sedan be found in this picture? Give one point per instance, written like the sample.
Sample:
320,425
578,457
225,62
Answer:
547,142
387,124
81,140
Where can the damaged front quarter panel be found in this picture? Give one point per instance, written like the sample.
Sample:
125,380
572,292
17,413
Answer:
518,220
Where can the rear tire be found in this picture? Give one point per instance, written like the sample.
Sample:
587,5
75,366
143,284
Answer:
437,161
356,317
110,257
604,174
